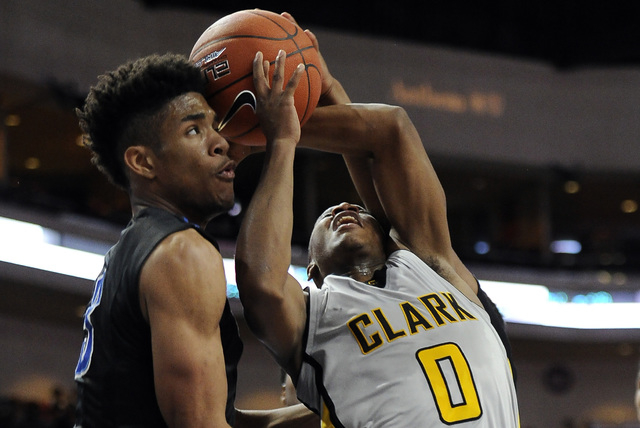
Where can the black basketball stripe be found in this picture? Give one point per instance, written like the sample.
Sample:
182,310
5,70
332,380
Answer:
253,36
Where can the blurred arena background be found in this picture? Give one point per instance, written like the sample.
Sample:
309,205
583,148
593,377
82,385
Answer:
529,112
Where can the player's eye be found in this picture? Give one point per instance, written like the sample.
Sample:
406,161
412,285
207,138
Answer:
362,210
193,130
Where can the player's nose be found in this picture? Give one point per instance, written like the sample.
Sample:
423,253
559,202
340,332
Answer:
219,145
344,206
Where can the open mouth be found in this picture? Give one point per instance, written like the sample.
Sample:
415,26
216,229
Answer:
229,171
346,218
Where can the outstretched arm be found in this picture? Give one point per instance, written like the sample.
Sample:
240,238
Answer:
406,190
296,416
274,303
390,170
379,143
333,93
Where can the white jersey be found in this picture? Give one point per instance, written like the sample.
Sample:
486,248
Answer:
416,353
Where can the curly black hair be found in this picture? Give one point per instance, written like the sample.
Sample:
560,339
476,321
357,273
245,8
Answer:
123,108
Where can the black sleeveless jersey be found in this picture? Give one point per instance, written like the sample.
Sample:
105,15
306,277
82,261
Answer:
114,375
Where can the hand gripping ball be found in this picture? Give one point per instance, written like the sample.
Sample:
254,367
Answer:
225,53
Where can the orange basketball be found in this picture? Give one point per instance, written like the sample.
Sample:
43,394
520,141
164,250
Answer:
225,53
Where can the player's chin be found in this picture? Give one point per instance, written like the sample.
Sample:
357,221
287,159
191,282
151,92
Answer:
222,196
228,201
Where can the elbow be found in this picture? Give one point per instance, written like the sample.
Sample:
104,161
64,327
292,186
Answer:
392,133
390,122
400,120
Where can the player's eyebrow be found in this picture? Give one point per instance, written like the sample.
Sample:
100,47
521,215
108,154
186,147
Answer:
194,116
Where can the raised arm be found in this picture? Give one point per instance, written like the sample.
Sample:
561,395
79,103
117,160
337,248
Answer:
383,138
273,301
385,157
333,93
387,147
389,168
394,177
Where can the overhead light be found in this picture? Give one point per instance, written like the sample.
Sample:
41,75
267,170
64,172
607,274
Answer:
629,206
481,247
235,210
32,163
12,120
25,244
566,246
29,245
535,305
571,187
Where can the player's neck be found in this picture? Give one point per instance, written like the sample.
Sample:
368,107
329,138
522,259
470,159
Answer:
362,272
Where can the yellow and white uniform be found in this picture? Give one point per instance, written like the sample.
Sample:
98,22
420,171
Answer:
415,353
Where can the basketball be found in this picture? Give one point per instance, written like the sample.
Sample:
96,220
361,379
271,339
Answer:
225,53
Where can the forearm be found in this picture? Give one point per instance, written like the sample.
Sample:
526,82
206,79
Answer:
361,133
359,166
352,129
273,301
297,416
263,250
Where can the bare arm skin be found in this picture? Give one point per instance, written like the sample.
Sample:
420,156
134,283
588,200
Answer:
333,93
297,416
391,172
183,292
395,179
274,303
397,183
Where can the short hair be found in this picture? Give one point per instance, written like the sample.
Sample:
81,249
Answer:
122,109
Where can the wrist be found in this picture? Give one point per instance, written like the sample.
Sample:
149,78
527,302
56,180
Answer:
334,94
283,147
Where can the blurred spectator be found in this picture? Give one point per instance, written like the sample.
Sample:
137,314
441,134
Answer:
58,413
32,417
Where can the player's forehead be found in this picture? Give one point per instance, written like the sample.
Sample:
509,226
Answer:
189,106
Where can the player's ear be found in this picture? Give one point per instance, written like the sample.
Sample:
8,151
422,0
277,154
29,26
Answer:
139,160
313,272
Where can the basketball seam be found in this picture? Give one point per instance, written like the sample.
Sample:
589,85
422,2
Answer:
289,35
298,50
240,78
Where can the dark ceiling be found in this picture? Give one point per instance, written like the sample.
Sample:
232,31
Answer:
565,33
517,213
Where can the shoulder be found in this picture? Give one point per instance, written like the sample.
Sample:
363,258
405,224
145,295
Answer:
406,257
184,246
451,269
185,270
